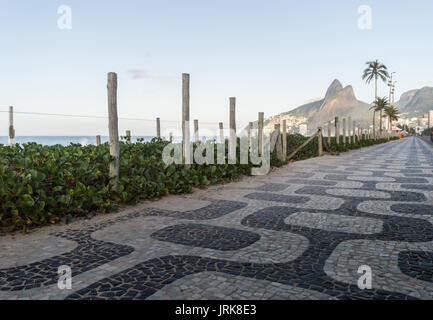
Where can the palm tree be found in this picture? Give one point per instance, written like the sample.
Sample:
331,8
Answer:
375,70
393,115
380,104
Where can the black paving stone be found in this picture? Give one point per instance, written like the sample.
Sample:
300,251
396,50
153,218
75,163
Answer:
212,237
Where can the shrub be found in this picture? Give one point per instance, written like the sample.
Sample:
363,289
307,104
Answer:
44,184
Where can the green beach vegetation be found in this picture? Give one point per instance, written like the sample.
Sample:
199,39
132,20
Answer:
42,185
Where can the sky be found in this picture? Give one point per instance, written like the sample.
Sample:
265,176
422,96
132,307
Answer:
271,55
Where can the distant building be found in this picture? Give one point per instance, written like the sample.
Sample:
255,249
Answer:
419,129
303,129
430,119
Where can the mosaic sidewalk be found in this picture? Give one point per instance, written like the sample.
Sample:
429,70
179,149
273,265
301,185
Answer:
301,232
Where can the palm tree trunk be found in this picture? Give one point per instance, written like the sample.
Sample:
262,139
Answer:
374,123
380,121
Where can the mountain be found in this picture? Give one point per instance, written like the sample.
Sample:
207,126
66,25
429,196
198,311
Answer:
416,103
338,101
333,90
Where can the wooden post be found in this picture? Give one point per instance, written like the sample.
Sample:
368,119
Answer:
232,137
320,141
171,137
337,130
344,131
196,133
185,118
349,124
233,119
260,130
98,140
158,128
113,127
128,136
279,143
329,132
285,139
250,128
354,133
11,127
222,136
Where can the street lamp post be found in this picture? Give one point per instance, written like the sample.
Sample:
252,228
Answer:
391,92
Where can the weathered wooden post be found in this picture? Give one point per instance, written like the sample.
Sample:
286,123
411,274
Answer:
222,136
285,139
11,127
113,127
98,140
344,131
320,136
185,118
233,141
260,130
128,136
250,129
158,128
354,131
279,143
349,135
329,132
337,130
196,133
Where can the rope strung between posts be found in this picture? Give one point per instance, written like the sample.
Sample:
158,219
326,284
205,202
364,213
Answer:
98,117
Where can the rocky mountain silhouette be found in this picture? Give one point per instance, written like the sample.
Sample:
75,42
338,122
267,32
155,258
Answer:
338,101
416,103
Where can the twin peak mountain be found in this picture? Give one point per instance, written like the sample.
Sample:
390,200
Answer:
341,102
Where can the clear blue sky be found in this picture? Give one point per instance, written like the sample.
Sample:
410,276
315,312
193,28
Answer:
272,55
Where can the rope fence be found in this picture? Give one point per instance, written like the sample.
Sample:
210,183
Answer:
152,128
180,131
